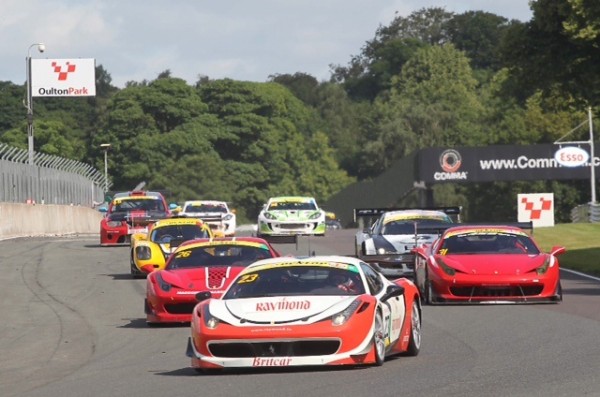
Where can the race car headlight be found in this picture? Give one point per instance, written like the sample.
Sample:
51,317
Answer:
383,251
549,262
227,217
268,215
315,215
113,223
210,321
447,269
143,252
342,317
162,283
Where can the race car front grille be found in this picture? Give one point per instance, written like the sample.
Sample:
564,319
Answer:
293,226
180,308
386,265
497,291
275,349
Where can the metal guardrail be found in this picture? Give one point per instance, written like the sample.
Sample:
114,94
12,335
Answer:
586,213
51,180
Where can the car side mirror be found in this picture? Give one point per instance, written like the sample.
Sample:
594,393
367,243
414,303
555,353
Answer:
392,291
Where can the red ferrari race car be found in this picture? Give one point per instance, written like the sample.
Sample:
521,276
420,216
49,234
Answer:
131,212
199,265
488,264
313,311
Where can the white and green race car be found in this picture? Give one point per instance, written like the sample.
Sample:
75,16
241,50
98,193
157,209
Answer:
291,216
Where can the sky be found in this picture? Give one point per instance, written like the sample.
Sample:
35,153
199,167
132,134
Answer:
247,40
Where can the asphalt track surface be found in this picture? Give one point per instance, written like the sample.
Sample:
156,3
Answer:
72,324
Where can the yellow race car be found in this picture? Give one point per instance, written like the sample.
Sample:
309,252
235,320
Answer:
150,250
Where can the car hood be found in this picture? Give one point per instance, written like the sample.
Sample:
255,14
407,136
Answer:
279,310
499,264
214,278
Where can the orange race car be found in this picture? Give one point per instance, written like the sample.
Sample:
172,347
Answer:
321,310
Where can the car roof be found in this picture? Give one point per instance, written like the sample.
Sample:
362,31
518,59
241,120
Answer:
292,198
138,194
198,202
485,228
414,214
326,260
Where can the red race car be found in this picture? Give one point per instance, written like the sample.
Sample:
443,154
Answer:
487,264
311,311
199,265
131,212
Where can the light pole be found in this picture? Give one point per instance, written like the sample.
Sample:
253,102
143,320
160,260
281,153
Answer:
41,48
105,147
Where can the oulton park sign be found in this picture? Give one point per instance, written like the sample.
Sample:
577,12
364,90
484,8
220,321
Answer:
63,77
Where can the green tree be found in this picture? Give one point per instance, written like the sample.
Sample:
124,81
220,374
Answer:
556,51
479,34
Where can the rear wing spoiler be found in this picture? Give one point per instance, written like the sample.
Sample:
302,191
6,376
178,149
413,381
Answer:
360,213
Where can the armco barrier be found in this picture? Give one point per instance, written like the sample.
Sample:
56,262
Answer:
20,220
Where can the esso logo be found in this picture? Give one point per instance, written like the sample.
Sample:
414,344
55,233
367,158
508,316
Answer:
571,156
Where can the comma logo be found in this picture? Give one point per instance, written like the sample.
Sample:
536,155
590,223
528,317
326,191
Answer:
63,73
450,160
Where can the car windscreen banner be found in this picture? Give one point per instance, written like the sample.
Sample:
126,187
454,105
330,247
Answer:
498,163
537,208
63,77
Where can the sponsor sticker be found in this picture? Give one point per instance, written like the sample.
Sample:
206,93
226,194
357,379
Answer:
571,156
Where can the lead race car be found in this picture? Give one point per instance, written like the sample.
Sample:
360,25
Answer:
491,263
131,212
313,311
287,216
388,242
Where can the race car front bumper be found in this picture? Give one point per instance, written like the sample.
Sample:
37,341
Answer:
392,265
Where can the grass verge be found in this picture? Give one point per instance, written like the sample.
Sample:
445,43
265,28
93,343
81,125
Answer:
582,241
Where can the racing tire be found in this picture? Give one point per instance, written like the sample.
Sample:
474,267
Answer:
427,290
429,293
559,294
414,343
379,340
135,272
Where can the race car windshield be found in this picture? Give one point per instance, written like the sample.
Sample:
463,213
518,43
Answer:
292,206
178,232
205,208
297,281
222,255
502,243
408,226
139,205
